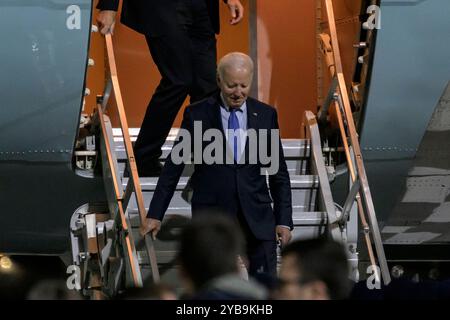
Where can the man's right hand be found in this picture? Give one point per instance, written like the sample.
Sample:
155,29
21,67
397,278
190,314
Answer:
236,10
106,21
150,226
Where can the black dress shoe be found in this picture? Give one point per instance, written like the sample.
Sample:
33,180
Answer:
149,169
153,170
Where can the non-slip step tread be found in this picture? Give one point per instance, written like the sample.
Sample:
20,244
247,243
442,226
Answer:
292,148
297,182
300,218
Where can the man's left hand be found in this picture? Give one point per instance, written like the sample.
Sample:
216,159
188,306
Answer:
151,226
236,10
284,235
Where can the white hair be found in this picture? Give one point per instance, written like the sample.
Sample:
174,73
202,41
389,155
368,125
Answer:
236,60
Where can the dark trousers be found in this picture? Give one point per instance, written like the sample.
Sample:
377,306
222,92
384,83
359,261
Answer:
261,254
186,60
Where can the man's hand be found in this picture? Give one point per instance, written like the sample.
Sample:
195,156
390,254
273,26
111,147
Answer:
150,226
106,21
236,10
284,235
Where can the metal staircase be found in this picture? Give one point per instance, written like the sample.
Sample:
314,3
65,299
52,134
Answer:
104,244
311,196
142,259
359,194
314,212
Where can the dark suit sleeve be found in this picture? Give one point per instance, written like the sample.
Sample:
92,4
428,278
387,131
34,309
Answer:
280,186
108,5
169,178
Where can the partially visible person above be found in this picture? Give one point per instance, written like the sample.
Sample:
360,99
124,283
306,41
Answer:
180,35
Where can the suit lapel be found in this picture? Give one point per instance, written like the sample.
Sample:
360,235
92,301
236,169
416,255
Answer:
215,117
252,115
252,123
214,114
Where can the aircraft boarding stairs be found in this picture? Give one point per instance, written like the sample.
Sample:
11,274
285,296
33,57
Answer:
145,261
142,260
311,200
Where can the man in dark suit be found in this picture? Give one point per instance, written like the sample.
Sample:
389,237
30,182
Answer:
181,38
237,187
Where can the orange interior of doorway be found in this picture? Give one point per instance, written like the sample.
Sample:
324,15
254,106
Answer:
287,58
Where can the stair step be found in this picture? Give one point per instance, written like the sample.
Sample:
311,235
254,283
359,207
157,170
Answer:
306,225
296,148
165,249
304,181
302,200
304,194
300,218
163,257
295,167
148,184
293,149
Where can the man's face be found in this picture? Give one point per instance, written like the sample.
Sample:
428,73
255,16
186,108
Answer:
235,86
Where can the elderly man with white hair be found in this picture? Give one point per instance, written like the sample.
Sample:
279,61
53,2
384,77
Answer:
235,184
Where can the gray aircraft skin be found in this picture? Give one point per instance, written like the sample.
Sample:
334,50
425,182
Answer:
405,132
43,54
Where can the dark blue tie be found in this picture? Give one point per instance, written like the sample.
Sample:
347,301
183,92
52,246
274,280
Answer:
233,124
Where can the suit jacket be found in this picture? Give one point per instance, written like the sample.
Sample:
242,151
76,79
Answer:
228,188
155,17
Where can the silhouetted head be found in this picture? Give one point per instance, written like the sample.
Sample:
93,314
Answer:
52,289
159,291
315,269
209,248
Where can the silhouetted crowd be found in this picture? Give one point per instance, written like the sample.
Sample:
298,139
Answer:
212,266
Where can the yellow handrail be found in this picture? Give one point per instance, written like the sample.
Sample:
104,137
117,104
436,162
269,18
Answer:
350,140
133,182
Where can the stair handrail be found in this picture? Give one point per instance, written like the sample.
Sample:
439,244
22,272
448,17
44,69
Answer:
338,95
326,203
133,184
